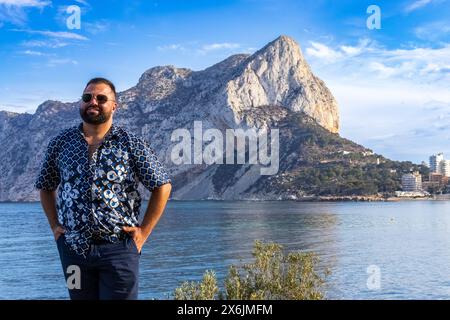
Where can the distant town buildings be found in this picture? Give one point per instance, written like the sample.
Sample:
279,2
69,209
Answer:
412,186
437,181
435,161
445,168
412,181
438,178
439,165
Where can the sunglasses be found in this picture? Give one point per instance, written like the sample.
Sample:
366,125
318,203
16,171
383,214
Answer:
101,98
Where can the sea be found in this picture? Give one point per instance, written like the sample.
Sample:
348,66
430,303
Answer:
373,250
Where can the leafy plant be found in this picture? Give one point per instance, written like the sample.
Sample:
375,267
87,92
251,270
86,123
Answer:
272,276
204,290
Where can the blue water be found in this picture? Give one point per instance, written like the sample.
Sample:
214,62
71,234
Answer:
409,243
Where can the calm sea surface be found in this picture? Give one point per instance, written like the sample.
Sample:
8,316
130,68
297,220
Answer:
374,250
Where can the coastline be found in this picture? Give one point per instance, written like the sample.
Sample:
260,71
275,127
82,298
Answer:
371,198
436,197
365,198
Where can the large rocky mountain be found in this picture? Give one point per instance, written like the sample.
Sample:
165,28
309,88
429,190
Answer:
272,88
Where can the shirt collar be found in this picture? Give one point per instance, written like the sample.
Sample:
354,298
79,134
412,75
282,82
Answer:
112,133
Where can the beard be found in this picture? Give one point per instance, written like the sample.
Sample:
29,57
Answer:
99,118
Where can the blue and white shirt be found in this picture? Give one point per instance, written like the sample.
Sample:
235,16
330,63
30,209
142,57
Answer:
98,196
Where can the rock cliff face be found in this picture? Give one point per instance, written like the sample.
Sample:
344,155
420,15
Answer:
279,75
265,90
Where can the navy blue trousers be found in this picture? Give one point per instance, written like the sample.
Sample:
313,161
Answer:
109,272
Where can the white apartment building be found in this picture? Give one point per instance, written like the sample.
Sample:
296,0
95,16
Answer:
435,163
439,165
412,181
445,168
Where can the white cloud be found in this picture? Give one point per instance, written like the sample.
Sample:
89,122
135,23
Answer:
13,14
193,47
61,34
171,47
224,47
219,46
17,108
321,51
426,64
434,68
383,91
433,31
351,50
403,121
32,53
96,27
14,11
417,5
363,45
26,3
56,62
83,2
424,130
25,99
327,54
157,36
250,50
55,34
383,71
51,43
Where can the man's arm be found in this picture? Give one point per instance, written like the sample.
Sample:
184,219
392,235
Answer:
155,209
48,202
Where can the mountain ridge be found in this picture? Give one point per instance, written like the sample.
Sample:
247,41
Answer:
274,88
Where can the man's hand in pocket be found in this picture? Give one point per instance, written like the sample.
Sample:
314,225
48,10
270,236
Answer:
58,231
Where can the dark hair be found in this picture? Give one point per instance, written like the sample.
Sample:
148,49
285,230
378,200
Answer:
104,81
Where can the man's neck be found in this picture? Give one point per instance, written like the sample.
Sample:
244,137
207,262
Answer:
96,131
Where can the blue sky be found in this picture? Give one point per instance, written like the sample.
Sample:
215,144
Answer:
392,84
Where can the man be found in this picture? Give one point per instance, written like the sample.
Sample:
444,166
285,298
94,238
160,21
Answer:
94,213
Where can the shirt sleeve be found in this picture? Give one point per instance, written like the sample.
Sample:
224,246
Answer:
147,167
49,177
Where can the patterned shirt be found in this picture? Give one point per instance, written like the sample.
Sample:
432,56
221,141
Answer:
98,196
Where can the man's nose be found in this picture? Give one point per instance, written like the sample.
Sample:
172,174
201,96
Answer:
93,101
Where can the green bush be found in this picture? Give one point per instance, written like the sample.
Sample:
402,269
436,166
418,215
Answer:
204,290
273,276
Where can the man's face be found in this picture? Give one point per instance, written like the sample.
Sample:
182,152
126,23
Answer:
94,111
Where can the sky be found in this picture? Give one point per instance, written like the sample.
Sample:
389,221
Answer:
391,82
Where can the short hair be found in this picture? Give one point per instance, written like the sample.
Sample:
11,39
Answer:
104,81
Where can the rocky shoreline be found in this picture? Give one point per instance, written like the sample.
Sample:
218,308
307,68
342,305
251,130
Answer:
369,198
306,199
